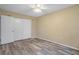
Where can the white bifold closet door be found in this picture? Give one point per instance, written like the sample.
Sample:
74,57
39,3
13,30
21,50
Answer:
22,29
7,29
13,29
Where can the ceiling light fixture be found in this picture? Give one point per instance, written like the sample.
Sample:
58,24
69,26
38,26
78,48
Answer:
37,8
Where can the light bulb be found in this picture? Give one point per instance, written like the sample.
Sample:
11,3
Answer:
38,5
37,10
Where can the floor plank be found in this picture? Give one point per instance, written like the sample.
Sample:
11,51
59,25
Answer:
35,47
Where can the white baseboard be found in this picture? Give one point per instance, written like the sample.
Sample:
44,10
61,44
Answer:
59,43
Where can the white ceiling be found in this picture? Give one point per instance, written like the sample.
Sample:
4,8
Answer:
26,9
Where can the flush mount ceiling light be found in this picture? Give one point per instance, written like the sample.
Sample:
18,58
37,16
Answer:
38,7
37,10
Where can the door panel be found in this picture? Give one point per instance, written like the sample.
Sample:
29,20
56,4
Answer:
26,29
23,29
6,29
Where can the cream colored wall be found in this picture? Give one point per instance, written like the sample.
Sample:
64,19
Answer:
8,13
61,26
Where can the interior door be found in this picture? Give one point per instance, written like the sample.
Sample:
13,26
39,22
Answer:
13,29
18,30
7,29
23,29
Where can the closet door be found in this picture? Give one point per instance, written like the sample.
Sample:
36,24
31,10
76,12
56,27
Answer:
23,29
13,29
17,27
7,29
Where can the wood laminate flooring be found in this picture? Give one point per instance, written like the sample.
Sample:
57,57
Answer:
35,47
